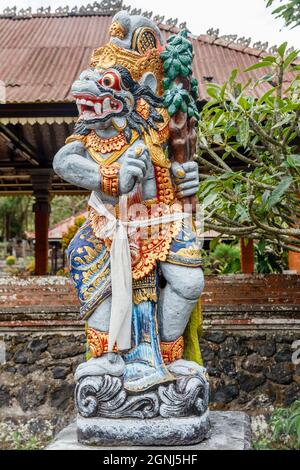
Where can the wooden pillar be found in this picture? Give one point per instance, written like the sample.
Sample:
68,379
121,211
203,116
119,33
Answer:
247,256
41,181
294,261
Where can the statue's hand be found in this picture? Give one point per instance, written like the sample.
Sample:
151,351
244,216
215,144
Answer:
133,169
186,177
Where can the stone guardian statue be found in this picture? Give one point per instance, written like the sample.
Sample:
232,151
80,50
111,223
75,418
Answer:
136,262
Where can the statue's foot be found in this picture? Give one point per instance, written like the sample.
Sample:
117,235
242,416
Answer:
143,378
110,364
183,367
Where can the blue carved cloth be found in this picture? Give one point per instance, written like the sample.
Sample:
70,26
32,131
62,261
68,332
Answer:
89,268
185,249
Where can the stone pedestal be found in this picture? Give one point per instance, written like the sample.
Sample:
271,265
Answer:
146,432
173,413
229,430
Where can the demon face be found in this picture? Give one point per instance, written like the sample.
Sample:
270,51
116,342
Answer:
111,98
100,97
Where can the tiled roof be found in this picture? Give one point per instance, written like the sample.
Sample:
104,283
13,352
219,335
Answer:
40,56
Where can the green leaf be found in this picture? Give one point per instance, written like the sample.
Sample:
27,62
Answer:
168,63
281,49
258,65
244,133
186,60
183,107
290,58
265,78
284,121
264,97
279,191
293,161
177,65
185,71
168,99
177,100
212,91
208,200
172,110
185,95
214,243
165,55
166,83
269,58
233,75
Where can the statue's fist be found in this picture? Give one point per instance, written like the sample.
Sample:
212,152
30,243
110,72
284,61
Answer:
186,177
133,169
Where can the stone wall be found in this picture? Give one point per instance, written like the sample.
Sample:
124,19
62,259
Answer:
250,326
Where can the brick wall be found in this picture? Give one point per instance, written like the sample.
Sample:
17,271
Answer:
219,290
250,326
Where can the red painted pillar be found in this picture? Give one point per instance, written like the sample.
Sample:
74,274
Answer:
41,181
247,256
294,261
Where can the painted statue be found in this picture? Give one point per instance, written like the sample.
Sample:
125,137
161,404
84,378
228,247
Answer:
136,262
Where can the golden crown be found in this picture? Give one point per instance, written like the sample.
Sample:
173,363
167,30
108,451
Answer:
143,58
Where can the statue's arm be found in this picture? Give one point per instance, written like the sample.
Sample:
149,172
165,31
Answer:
72,165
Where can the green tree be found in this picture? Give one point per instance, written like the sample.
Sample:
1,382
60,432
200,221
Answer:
289,11
63,207
249,149
15,216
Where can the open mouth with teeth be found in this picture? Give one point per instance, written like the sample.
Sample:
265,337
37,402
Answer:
91,107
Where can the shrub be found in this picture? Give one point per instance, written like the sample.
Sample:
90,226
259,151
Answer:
224,259
70,234
284,430
10,260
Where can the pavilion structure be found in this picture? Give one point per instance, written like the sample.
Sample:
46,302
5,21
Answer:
41,54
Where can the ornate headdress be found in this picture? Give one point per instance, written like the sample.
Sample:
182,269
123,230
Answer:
133,45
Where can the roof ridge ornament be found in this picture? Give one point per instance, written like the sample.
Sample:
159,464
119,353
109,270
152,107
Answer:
43,11
103,8
148,14
213,33
10,12
25,12
242,42
158,19
172,22
62,11
261,46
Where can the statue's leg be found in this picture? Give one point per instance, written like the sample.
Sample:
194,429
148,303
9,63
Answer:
145,368
101,362
90,270
178,298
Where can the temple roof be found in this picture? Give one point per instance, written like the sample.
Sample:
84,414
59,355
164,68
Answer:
42,53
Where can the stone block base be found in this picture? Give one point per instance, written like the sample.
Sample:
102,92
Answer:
143,432
228,431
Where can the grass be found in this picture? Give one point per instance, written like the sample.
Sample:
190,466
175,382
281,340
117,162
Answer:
283,430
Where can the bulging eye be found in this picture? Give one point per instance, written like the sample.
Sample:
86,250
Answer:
110,80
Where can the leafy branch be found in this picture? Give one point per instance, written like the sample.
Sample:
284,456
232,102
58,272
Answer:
289,12
248,150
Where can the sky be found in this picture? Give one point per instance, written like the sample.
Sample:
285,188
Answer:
249,18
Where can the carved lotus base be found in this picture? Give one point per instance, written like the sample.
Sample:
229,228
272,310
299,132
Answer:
172,414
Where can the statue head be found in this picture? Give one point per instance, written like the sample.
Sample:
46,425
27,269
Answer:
122,89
